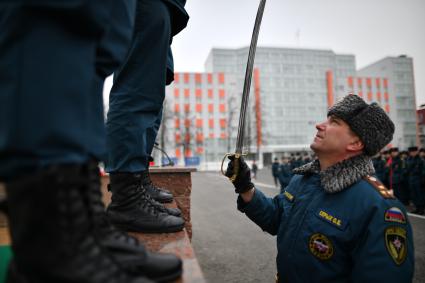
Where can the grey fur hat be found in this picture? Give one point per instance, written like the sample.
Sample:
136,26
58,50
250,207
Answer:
368,121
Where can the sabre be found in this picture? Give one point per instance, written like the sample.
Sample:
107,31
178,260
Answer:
245,94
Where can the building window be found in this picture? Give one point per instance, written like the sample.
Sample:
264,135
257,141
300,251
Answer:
186,78
186,93
221,78
198,78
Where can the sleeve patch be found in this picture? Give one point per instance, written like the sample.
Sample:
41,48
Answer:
396,243
394,214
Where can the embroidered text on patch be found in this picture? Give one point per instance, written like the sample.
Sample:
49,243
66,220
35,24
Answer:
331,219
289,196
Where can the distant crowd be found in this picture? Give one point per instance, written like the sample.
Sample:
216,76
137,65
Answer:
403,172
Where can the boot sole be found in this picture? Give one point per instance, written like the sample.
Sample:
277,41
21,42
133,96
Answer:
167,278
133,228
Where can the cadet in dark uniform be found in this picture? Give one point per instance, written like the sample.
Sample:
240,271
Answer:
416,172
135,111
335,222
379,165
275,170
397,176
57,222
285,173
48,63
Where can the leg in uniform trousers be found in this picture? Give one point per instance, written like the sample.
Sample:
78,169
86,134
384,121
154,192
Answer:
135,109
47,70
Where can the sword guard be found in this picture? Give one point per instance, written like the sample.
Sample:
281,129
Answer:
237,157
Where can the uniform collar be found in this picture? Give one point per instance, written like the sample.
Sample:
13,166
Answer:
340,175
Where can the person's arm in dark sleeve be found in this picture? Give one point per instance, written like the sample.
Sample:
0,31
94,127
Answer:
265,212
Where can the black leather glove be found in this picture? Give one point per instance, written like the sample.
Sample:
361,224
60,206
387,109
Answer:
242,182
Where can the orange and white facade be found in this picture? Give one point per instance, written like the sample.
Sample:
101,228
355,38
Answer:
291,91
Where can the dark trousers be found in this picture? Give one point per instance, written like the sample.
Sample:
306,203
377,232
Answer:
50,95
136,98
401,192
417,192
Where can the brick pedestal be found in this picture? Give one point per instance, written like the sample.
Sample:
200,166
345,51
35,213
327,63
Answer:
178,181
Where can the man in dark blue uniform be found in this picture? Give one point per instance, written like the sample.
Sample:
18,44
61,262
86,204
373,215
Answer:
416,173
285,173
54,56
379,165
135,112
47,73
398,176
335,222
275,170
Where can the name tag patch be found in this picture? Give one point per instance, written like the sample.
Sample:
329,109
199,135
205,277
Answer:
288,196
331,219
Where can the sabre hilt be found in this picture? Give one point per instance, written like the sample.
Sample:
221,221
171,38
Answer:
236,165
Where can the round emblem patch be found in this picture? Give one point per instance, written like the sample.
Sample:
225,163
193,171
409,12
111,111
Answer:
320,246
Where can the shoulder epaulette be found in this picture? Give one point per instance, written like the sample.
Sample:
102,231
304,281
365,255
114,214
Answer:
377,185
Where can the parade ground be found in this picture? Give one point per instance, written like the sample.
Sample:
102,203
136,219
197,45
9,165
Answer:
230,248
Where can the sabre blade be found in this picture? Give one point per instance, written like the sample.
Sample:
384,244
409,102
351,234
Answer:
248,76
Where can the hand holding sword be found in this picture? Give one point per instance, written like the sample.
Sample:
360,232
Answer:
236,158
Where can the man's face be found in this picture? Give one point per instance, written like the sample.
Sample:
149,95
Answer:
413,153
333,137
394,153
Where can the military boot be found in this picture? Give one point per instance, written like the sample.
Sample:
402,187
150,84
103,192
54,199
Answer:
132,209
159,194
127,250
53,234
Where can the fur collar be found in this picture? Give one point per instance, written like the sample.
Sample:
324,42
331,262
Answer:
340,175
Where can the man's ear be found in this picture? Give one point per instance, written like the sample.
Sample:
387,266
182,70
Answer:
355,145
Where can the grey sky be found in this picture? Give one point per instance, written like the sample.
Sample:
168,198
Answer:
369,29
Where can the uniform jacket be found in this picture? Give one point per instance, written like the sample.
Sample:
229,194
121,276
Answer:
336,226
285,174
379,165
275,169
179,16
398,169
415,169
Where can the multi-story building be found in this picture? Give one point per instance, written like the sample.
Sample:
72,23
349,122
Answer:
421,125
296,88
399,89
196,116
291,91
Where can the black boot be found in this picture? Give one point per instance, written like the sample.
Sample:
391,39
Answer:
127,251
53,235
131,208
158,194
